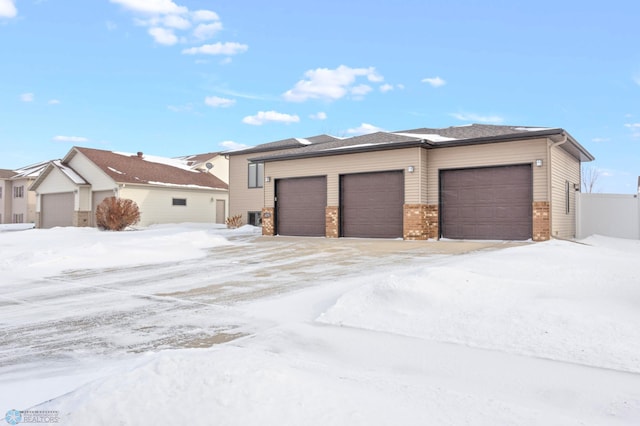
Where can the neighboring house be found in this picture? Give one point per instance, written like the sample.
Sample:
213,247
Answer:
246,179
213,162
166,190
18,204
465,182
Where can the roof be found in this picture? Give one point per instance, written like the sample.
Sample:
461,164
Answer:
32,171
290,143
431,138
195,159
6,174
136,169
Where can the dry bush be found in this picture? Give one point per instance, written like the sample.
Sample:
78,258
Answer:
115,214
234,221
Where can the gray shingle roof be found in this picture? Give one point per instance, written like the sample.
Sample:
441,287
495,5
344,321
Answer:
285,144
428,138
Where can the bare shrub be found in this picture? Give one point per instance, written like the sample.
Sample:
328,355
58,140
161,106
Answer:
115,214
234,221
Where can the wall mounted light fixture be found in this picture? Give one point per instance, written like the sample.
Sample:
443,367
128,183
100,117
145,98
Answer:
538,163
267,179
410,169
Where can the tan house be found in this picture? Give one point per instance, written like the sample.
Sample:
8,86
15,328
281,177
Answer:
465,182
215,163
166,190
17,203
246,179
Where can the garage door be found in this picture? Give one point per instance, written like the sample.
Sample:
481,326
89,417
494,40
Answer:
300,206
96,199
371,204
56,209
486,203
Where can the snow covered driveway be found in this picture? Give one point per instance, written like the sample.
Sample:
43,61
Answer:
113,310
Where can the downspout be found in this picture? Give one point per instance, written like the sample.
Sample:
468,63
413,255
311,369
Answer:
549,183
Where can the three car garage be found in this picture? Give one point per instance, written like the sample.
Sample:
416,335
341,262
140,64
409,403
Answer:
475,203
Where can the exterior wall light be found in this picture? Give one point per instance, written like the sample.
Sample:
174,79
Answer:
267,179
410,169
538,163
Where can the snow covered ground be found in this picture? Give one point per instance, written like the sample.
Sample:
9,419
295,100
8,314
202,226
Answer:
121,328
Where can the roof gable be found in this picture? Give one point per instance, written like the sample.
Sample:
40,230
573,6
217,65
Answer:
136,169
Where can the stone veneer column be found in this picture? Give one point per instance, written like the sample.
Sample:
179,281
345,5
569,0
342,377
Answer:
541,221
332,217
420,222
268,224
81,218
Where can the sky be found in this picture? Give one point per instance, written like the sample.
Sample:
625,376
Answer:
173,78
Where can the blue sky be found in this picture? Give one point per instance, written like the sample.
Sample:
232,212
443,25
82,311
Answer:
173,78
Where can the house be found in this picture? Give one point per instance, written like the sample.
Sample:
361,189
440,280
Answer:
215,163
17,203
464,182
246,179
166,190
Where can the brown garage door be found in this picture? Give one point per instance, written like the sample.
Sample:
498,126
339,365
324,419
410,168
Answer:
486,203
56,209
371,204
300,206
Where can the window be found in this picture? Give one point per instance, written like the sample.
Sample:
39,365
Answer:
567,197
18,192
179,202
256,175
18,218
255,218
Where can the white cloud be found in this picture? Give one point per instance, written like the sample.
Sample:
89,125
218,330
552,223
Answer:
226,61
180,108
177,22
386,88
363,129
263,117
330,84
152,7
204,15
228,48
8,9
27,97
163,36
598,140
232,146
207,31
400,86
53,102
72,139
215,101
318,116
635,129
111,26
636,79
492,119
434,81
360,90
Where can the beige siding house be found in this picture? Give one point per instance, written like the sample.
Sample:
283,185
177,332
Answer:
466,182
17,203
166,190
246,179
